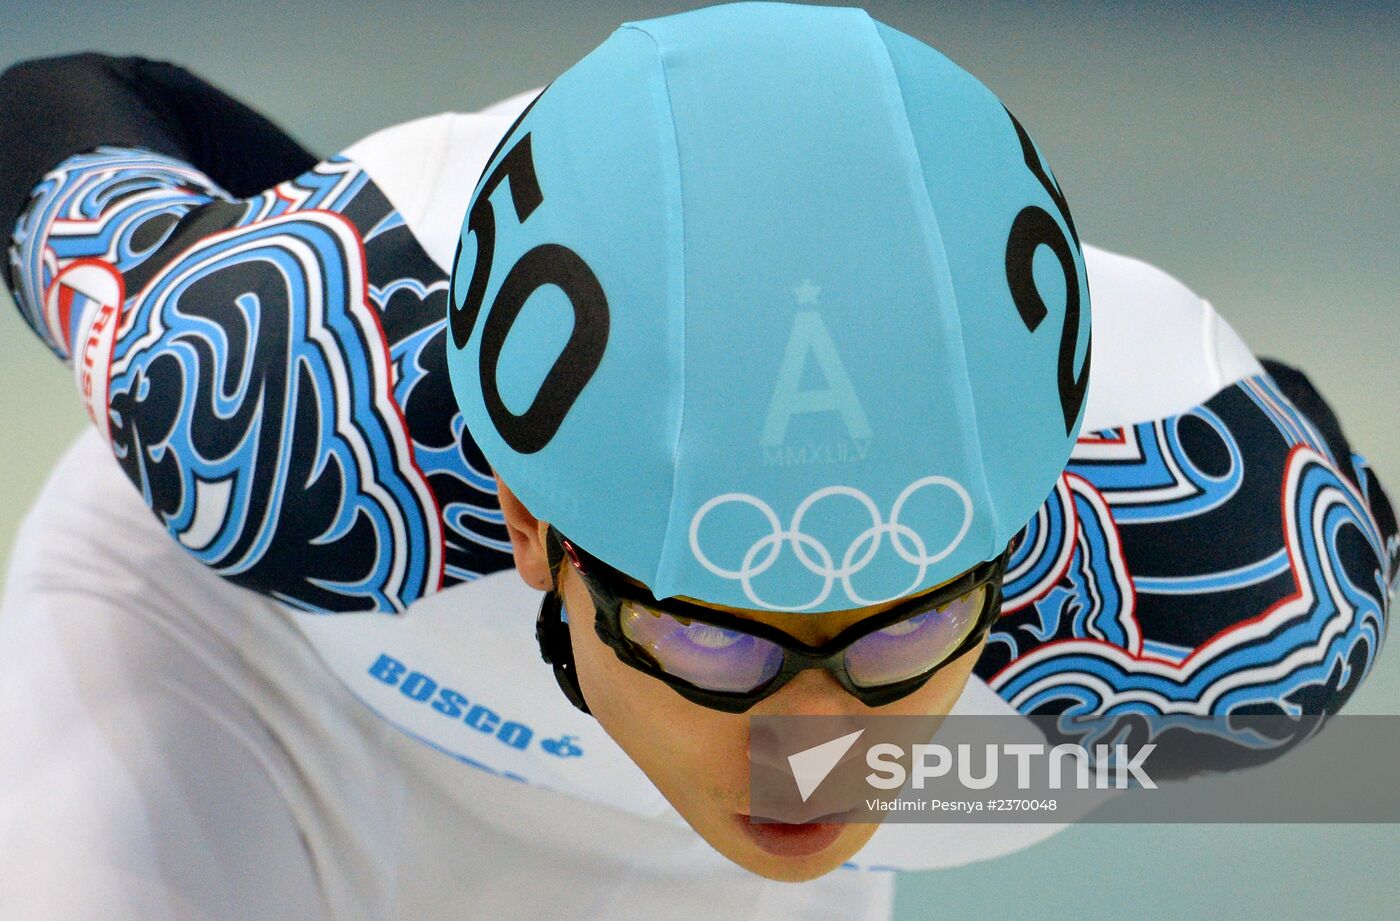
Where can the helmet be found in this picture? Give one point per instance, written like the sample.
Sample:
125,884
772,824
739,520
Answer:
773,307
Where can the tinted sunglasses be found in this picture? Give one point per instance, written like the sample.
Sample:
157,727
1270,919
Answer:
726,662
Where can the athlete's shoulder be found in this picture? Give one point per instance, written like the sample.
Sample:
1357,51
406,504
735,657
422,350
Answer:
1159,348
428,167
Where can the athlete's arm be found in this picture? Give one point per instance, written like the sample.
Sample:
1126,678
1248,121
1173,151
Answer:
1215,547
257,336
56,107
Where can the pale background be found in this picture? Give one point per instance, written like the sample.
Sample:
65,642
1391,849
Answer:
1250,149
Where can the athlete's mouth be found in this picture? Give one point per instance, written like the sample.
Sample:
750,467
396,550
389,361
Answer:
791,840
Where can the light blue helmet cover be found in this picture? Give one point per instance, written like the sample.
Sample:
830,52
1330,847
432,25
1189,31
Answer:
772,307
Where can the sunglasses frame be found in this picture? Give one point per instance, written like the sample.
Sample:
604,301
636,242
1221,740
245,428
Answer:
610,588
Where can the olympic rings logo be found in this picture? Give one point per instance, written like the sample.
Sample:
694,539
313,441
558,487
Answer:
817,558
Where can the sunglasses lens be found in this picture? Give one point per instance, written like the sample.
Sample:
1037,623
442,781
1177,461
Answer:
911,647
705,655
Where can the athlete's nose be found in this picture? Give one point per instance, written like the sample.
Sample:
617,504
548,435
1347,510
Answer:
814,692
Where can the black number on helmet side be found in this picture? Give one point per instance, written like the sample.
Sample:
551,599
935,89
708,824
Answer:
464,318
546,264
525,195
1035,227
1037,169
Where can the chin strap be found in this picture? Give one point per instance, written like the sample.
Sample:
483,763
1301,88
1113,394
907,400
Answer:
552,633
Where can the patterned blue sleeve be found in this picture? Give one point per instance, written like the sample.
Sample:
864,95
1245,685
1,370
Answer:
267,371
1235,560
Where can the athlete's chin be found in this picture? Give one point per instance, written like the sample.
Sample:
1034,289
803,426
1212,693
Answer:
788,872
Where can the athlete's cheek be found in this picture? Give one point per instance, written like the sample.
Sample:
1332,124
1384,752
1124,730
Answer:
661,731
697,757
631,712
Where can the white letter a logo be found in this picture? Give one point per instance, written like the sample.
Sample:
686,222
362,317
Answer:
809,336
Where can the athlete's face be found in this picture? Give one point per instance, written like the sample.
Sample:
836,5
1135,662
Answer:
697,757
